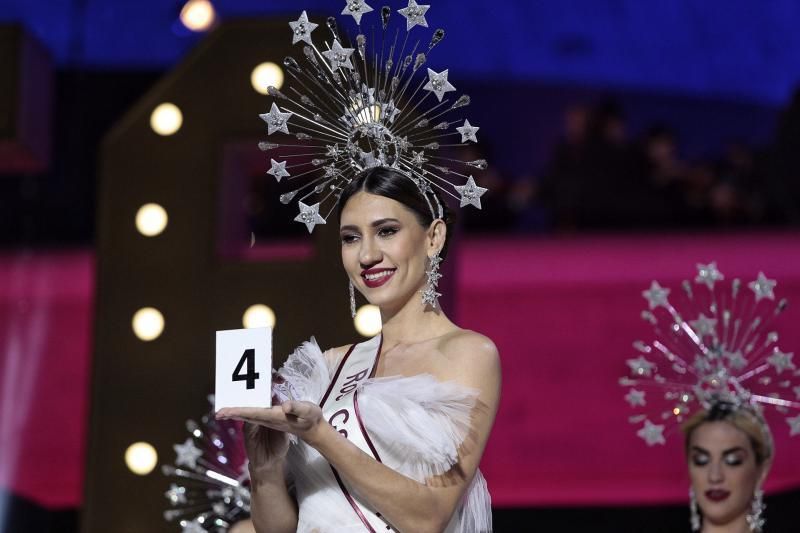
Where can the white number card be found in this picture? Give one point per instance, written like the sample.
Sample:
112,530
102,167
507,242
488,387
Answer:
244,368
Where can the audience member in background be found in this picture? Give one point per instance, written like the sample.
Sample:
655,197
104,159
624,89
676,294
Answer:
783,184
736,197
565,174
495,215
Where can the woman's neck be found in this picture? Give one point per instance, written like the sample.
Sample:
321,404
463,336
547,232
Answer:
412,323
738,525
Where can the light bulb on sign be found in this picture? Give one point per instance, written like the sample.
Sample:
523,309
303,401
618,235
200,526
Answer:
259,316
141,458
368,320
151,219
266,74
148,323
166,119
198,15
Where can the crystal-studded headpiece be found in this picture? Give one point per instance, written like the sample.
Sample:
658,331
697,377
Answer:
713,344
357,103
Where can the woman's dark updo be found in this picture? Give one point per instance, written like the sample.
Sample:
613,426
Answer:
389,183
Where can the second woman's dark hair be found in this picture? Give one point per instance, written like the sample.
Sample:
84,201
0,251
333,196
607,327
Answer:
389,183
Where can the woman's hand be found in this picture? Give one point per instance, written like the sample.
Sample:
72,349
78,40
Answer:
303,419
266,448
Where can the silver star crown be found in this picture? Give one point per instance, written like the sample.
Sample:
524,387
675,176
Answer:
713,343
209,482
354,105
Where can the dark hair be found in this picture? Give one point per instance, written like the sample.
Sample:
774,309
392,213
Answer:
389,183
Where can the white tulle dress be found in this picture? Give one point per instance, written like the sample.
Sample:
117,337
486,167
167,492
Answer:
416,425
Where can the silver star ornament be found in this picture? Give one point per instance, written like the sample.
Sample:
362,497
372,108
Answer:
356,8
414,14
470,193
309,215
641,366
635,397
188,453
339,56
703,325
302,28
468,132
708,274
438,84
794,425
656,295
176,494
652,433
762,287
278,169
276,120
781,361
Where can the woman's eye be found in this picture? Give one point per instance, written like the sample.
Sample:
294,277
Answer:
700,460
387,232
348,239
733,460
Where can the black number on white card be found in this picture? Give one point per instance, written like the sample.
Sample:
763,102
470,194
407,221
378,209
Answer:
251,376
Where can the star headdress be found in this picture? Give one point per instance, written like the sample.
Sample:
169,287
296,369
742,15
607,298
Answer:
362,103
210,484
713,344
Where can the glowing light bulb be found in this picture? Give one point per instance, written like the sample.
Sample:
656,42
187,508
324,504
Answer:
151,219
368,320
148,323
198,15
259,316
266,74
166,119
141,458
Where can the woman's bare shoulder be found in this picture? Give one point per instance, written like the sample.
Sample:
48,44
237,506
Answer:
334,355
474,354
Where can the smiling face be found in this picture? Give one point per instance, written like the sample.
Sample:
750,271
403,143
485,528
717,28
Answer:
723,470
385,249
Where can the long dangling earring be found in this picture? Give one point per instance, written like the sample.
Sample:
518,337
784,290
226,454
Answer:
352,299
755,519
694,512
429,294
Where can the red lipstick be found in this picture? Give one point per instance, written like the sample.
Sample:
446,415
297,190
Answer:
375,277
717,495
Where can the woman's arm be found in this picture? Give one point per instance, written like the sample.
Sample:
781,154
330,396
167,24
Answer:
403,502
272,508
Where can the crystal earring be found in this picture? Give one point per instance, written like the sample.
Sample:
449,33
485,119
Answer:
694,512
755,519
352,299
429,294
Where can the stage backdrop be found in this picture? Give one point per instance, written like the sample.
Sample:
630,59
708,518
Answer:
563,314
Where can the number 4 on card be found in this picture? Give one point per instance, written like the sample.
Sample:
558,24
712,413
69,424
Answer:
243,368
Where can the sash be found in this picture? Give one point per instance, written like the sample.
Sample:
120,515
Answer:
340,408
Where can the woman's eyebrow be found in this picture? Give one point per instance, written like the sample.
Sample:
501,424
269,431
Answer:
736,449
375,224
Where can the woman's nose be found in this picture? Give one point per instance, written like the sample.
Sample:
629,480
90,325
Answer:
715,473
369,254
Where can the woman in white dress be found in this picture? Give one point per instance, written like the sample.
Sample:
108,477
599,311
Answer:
385,435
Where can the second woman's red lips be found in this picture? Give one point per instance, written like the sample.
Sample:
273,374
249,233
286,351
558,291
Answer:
375,277
717,495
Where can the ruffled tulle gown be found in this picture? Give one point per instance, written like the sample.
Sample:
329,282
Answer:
416,425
